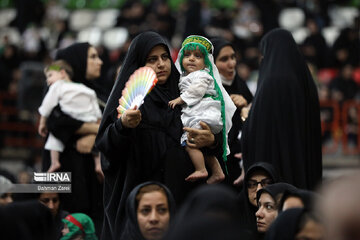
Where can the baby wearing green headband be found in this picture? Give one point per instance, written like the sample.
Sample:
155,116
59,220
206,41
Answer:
202,100
78,226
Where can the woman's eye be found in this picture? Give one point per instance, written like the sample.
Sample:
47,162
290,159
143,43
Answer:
269,207
162,210
145,211
151,60
165,57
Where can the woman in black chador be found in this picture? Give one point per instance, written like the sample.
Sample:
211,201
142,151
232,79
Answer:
225,60
144,144
79,138
283,127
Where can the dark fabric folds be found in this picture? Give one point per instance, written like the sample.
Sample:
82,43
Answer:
210,212
283,127
238,86
285,225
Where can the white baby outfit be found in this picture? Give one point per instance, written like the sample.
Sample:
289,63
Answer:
76,100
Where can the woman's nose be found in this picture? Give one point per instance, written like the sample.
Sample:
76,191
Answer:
161,63
232,63
153,216
259,213
258,187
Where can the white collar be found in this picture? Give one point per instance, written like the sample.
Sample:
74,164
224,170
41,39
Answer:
226,82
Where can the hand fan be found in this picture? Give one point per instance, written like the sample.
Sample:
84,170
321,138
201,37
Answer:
140,83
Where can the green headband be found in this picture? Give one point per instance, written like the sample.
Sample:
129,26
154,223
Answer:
199,39
54,67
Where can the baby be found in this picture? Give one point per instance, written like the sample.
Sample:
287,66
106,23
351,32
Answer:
202,99
75,99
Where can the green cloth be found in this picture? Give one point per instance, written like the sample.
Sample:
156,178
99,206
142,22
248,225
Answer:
86,222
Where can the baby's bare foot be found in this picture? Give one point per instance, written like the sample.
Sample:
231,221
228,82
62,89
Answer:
197,175
54,167
216,178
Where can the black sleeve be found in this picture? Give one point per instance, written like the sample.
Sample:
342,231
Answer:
61,125
216,148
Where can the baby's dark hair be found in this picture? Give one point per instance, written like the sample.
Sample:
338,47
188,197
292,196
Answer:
60,65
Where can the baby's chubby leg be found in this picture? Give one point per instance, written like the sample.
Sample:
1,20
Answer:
197,159
55,161
217,175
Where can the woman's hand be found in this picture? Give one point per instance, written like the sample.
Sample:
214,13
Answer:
131,118
245,112
238,100
198,138
85,143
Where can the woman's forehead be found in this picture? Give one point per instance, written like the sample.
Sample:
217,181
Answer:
266,197
157,50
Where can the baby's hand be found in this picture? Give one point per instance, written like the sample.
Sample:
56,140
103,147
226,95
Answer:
42,129
175,102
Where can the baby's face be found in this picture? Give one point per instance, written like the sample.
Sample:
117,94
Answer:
52,76
193,61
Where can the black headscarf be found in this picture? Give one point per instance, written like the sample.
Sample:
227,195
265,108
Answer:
248,219
76,55
274,190
286,225
136,57
307,197
210,212
283,127
28,220
238,86
132,231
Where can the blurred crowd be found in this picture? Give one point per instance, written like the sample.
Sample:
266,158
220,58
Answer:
327,33
329,41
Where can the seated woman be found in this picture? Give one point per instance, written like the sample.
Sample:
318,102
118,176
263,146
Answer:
149,209
268,204
296,223
210,212
299,198
258,176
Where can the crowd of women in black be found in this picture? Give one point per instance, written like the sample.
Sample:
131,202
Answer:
280,142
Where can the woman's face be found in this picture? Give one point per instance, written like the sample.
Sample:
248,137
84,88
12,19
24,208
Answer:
266,213
226,62
153,215
159,60
6,198
93,67
292,202
261,180
311,231
51,200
